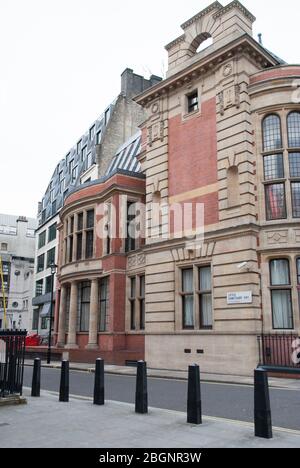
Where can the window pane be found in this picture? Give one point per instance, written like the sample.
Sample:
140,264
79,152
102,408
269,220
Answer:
79,246
39,288
142,302
294,159
272,133
71,224
273,166
90,219
280,272
275,202
187,281
71,249
85,295
42,239
48,284
296,199
294,129
133,288
193,102
104,304
132,315
80,222
89,244
84,317
205,279
188,312
131,227
298,270
282,310
51,257
142,314
142,286
206,311
52,232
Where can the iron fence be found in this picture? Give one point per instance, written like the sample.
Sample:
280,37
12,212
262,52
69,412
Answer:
12,353
279,350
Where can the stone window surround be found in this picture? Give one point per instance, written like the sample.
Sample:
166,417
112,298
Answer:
178,297
283,114
137,300
186,92
67,234
292,258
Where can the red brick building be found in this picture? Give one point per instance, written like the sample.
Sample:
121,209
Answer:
222,133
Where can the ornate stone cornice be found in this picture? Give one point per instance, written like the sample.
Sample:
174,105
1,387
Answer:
235,4
176,41
209,9
244,44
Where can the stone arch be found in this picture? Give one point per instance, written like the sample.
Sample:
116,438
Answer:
199,41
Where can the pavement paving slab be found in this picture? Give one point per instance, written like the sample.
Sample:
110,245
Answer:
46,423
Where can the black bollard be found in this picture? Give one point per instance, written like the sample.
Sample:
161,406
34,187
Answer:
141,395
99,398
194,406
262,407
64,382
36,379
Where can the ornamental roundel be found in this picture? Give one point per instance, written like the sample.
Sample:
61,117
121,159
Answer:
155,108
228,69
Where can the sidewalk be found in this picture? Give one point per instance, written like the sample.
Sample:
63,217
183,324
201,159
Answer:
46,423
291,384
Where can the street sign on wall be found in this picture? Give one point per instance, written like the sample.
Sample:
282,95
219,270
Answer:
243,297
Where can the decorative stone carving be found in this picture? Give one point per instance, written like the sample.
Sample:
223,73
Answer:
237,96
132,261
277,237
136,261
156,132
201,251
228,69
221,102
229,97
141,259
297,235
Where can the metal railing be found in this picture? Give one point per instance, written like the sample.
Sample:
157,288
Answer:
12,353
279,350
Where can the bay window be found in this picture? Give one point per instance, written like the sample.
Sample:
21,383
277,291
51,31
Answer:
281,167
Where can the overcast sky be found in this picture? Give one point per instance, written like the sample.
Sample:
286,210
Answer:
60,66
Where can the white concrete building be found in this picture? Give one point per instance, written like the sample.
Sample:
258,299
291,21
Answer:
17,247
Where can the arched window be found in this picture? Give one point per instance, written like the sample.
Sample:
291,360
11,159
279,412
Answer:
233,186
272,139
4,247
293,124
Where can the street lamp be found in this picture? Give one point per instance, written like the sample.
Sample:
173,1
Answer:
53,273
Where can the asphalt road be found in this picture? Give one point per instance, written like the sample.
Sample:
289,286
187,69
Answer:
218,400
